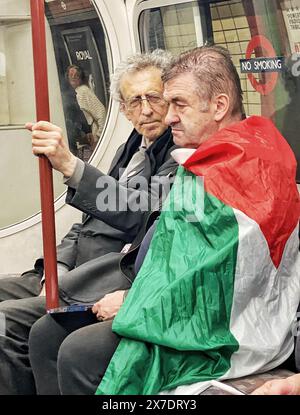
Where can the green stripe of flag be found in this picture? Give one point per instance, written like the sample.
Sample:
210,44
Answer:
176,317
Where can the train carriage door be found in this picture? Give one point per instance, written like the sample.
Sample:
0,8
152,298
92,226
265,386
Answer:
263,37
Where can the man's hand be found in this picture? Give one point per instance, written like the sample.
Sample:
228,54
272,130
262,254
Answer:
109,305
288,386
47,139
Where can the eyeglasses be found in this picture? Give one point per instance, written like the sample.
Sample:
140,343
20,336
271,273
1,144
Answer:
154,100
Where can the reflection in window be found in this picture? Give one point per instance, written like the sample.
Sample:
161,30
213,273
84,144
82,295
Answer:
85,117
81,57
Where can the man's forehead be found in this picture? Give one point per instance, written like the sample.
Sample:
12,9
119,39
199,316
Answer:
141,82
178,87
150,72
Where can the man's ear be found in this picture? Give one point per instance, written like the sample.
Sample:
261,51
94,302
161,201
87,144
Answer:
221,102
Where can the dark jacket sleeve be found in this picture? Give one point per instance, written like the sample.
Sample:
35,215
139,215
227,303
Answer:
66,250
122,207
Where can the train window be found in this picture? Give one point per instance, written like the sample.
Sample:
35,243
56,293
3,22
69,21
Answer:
263,37
79,43
16,105
78,100
175,27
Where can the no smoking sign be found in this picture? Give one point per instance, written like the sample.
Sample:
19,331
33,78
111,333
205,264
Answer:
270,64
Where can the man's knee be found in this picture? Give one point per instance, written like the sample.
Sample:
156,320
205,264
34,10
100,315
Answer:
38,332
90,341
17,316
7,311
71,353
8,306
30,305
18,287
84,356
71,371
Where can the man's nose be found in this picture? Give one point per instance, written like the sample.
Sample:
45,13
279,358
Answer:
146,107
171,117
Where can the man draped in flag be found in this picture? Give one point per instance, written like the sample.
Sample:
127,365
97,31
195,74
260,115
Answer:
217,294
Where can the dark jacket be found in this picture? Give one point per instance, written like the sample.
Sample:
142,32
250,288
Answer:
92,249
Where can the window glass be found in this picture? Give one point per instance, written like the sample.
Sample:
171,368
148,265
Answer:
17,96
74,36
252,30
80,51
176,28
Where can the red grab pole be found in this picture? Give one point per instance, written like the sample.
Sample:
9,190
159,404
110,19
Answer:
45,168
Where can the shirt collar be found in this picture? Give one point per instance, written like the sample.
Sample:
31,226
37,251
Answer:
145,143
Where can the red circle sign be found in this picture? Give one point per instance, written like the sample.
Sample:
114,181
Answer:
271,77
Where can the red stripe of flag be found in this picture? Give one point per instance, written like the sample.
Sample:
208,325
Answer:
250,166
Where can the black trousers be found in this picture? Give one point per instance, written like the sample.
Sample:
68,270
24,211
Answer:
25,286
20,306
69,353
63,361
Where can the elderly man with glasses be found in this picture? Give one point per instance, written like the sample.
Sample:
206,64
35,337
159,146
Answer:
95,259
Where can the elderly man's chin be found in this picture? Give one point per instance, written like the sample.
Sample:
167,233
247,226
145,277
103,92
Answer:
153,130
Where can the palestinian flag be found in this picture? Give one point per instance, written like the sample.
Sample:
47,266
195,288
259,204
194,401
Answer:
217,295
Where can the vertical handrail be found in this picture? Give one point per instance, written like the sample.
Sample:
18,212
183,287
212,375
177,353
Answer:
45,168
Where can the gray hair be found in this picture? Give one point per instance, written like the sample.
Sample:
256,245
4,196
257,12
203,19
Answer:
159,58
214,73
